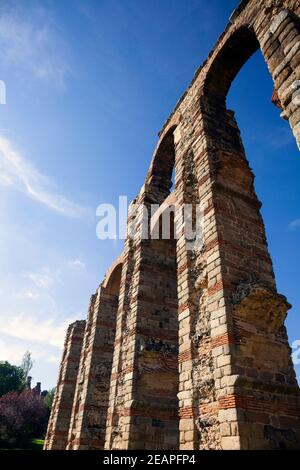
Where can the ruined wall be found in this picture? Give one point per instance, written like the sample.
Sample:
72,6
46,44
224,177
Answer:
143,408
213,309
147,378
59,422
89,413
250,399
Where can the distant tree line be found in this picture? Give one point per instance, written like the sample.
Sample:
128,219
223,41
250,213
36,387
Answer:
24,413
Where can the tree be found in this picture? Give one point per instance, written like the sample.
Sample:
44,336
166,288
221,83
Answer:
48,399
27,364
11,378
23,415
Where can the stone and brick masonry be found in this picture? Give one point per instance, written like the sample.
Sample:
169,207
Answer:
187,349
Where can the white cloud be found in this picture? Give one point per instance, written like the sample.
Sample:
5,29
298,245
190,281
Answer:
78,265
41,279
18,173
28,328
295,224
46,277
29,294
12,354
53,359
30,42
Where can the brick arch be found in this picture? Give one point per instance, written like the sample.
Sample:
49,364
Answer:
162,164
229,60
113,276
279,42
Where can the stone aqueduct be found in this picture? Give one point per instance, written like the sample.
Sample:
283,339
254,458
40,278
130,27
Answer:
187,349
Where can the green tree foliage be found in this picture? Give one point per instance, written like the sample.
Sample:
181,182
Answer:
11,378
48,399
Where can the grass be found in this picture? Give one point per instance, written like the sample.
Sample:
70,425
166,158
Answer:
37,444
33,444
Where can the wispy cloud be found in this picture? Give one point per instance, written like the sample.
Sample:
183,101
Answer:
46,277
294,224
17,172
31,43
53,359
41,279
29,294
28,328
77,265
11,353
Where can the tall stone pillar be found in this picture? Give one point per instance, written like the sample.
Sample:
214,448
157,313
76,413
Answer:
58,427
253,377
143,412
89,414
143,409
240,389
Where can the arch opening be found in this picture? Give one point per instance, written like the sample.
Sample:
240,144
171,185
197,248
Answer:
229,61
112,284
161,174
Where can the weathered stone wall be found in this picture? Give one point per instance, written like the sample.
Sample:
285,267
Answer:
252,398
147,300
213,310
59,422
146,380
88,422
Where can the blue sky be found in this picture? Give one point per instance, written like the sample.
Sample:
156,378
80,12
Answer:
89,85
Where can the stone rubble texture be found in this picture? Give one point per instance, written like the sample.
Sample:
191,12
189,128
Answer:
187,349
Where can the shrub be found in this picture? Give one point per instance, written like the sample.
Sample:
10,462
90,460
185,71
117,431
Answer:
23,415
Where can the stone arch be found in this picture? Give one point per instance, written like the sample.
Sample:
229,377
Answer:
280,46
279,43
229,60
113,277
162,164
